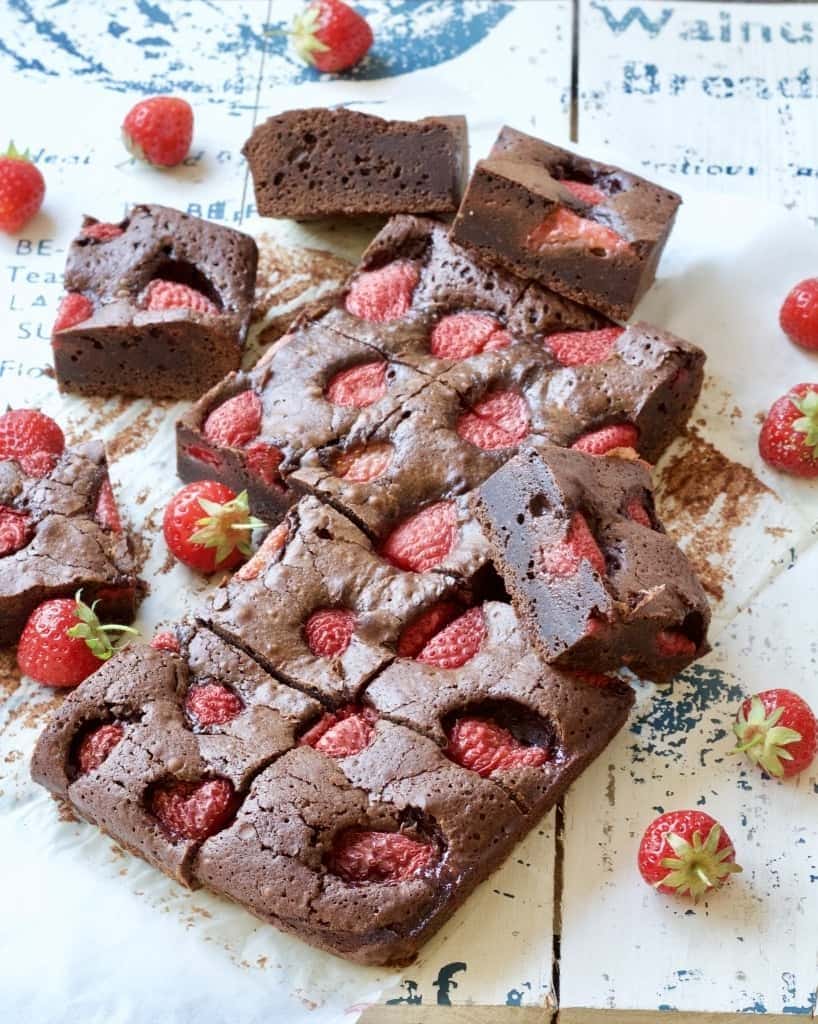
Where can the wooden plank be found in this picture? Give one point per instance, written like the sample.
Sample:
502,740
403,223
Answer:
457,1015
708,96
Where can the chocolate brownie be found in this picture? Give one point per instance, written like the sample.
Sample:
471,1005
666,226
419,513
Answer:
70,539
569,718
590,231
589,566
151,726
319,162
145,335
291,856
320,568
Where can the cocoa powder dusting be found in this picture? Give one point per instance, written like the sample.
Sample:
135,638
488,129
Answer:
9,673
285,274
703,497
139,433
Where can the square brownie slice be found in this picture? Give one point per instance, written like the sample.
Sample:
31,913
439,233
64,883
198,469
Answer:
62,533
468,678
157,746
590,569
322,162
590,231
158,305
364,855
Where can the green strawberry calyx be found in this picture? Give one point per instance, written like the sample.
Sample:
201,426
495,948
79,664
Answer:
13,153
304,34
698,864
762,739
95,634
807,405
223,525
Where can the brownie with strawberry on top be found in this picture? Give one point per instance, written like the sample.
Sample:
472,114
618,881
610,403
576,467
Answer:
322,162
156,305
590,569
60,530
159,744
588,230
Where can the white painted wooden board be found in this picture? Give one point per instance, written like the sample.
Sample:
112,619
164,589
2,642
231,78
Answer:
713,96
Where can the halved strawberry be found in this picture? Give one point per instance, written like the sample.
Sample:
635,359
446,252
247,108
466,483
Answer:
583,348
358,386
563,227
456,643
384,294
423,540
161,295
588,194
565,557
499,420
461,335
485,747
16,530
607,439
361,855
329,631
419,632
364,463
342,733
235,422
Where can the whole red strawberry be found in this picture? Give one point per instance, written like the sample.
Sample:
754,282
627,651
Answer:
159,130
686,853
799,314
63,642
777,730
22,188
789,436
331,35
207,526
32,438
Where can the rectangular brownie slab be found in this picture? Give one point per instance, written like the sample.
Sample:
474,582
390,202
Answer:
590,569
590,231
69,539
161,305
321,162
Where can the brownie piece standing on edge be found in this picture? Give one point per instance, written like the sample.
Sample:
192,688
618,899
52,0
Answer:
319,162
589,567
67,537
165,304
157,746
588,230
477,687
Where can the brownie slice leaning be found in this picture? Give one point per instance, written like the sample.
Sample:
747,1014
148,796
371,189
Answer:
159,305
320,162
588,230
61,533
589,567
158,746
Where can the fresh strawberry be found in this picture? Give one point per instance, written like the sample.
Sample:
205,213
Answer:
583,348
100,231
358,386
777,730
461,335
63,642
673,643
597,679
331,35
73,309
212,704
420,631
565,557
96,745
159,130
263,461
686,853
106,513
207,526
635,510
32,438
423,540
359,855
193,810
485,747
270,546
799,314
342,733
22,189
235,422
499,420
364,463
789,436
563,227
456,643
329,631
384,294
16,530
165,641
607,439
161,295
588,194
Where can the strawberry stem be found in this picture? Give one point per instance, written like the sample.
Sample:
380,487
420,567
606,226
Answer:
94,633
